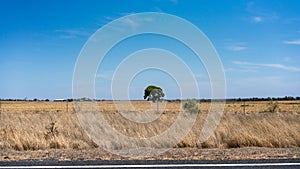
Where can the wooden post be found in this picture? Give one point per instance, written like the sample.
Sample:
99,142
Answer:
0,105
0,109
244,107
67,106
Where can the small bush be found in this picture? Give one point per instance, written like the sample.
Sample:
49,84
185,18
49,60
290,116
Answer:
273,107
191,106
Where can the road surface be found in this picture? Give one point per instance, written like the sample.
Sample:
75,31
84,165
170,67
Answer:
244,164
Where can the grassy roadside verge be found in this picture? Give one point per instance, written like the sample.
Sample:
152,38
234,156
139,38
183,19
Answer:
45,128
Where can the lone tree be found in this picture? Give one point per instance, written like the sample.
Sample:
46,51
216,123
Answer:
154,94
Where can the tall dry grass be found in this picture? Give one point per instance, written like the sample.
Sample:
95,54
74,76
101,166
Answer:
45,125
31,131
279,130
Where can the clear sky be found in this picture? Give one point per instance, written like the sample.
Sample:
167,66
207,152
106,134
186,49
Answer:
258,43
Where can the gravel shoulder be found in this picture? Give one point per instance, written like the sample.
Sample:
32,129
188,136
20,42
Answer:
173,154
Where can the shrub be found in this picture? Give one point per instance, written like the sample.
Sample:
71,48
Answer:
273,106
191,106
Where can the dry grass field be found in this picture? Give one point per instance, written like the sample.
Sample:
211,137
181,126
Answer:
54,125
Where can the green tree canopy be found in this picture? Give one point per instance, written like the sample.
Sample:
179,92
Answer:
153,93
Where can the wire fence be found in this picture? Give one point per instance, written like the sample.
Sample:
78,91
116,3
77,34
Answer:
292,106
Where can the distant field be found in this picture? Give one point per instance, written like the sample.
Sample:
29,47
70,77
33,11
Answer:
46,125
230,107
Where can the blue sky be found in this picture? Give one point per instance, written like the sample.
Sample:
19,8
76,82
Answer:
258,43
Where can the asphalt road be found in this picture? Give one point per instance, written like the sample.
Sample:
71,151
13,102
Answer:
244,164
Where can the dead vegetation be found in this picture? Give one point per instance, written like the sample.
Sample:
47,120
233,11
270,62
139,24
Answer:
48,125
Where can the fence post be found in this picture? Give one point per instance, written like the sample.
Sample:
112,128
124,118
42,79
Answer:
0,109
67,106
244,106
0,114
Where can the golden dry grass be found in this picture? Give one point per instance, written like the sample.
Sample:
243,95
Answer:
45,125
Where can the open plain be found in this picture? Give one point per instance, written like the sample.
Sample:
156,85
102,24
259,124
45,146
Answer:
252,129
